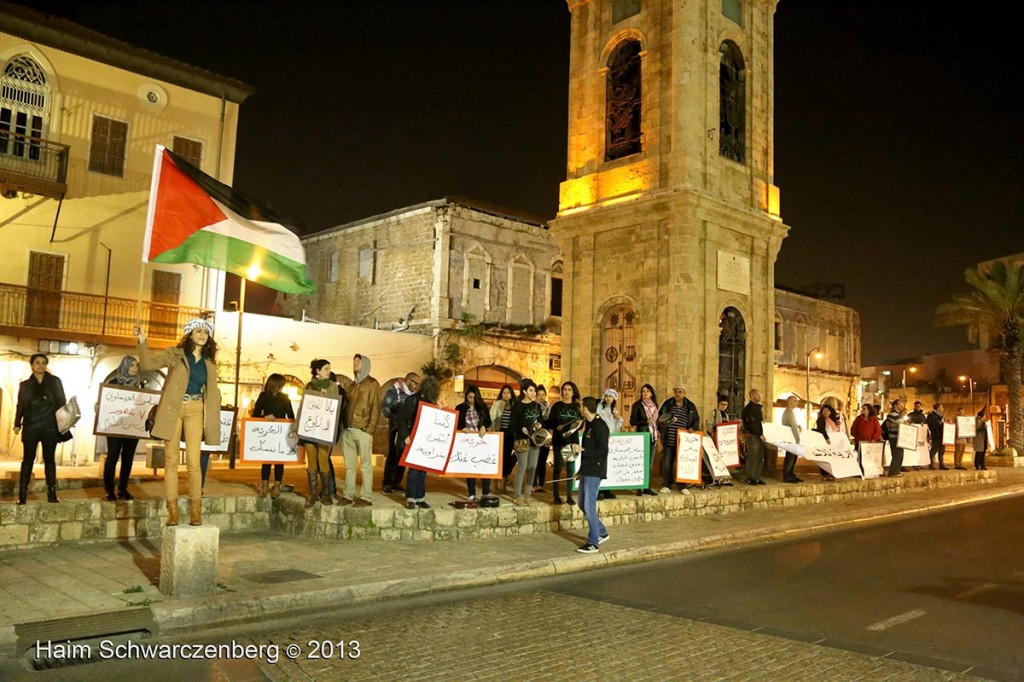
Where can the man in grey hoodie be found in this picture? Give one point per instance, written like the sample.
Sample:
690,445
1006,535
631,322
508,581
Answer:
362,416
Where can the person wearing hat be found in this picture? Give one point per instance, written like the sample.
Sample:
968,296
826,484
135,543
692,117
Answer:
678,412
190,405
393,399
606,411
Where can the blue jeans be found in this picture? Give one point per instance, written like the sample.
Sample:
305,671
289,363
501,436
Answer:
588,504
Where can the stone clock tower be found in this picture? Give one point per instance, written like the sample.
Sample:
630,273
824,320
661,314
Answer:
669,220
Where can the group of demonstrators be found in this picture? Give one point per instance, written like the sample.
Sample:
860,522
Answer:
569,430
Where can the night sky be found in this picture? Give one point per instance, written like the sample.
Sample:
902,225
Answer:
898,126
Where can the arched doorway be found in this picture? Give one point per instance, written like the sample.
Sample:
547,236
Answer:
490,378
618,353
732,358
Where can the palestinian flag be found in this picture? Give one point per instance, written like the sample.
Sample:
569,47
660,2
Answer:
195,219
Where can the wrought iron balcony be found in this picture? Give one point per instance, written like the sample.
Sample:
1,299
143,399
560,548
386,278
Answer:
33,165
75,316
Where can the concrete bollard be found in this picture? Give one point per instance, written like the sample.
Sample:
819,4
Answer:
188,560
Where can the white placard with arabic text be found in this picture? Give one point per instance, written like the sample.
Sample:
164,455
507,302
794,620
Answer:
431,440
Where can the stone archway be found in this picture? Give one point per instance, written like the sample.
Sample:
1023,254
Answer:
490,378
732,358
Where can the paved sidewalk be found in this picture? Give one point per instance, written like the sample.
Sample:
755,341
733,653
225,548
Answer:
266,575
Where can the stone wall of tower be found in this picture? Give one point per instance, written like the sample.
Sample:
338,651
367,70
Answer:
677,230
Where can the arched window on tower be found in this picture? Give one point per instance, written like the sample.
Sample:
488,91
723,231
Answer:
622,109
732,109
24,107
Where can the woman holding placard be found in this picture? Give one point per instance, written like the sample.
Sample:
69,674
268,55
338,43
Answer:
526,417
121,447
474,418
501,417
980,440
416,479
827,424
960,446
35,418
272,403
189,405
318,455
644,417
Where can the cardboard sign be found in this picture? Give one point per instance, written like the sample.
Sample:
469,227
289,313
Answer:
727,442
838,457
629,462
777,434
475,456
121,411
907,438
227,430
318,417
432,437
688,456
871,454
965,427
948,433
920,456
991,444
717,465
269,441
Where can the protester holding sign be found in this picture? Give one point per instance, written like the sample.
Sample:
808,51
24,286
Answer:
827,424
643,417
719,415
789,461
961,445
189,404
593,468
474,418
35,418
981,443
891,433
678,412
121,447
416,479
273,404
318,454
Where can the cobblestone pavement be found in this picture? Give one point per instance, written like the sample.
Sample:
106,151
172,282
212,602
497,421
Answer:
538,635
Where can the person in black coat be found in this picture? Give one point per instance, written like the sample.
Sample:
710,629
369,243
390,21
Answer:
593,469
273,403
416,479
39,398
121,448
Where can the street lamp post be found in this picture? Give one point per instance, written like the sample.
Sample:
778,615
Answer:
913,370
818,355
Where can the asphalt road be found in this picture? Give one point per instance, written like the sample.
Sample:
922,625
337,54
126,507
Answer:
946,590
938,597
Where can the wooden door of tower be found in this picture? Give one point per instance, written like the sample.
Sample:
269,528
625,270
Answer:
45,284
618,355
732,356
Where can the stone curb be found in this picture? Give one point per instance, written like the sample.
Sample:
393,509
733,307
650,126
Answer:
193,614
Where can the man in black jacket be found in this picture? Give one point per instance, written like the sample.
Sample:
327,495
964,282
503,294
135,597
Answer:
935,427
593,469
753,433
683,415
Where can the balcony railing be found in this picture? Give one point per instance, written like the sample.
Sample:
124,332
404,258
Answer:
87,317
32,164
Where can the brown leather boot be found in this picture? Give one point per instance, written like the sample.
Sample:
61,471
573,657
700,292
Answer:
172,512
263,488
275,490
195,512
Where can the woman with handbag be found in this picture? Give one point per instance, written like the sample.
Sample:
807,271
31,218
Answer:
190,405
526,416
39,398
121,447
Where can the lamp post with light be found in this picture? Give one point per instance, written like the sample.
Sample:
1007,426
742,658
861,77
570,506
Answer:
818,355
252,273
913,370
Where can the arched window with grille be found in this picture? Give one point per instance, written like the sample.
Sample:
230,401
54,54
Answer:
732,111
24,107
622,108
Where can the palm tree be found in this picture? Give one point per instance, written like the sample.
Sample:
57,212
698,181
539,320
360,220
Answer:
996,304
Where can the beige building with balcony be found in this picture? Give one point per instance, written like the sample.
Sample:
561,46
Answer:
80,115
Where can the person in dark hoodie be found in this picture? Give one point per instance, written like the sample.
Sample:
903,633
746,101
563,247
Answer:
416,479
681,414
362,416
593,468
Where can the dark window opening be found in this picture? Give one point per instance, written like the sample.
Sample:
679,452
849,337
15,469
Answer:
476,283
732,103
556,296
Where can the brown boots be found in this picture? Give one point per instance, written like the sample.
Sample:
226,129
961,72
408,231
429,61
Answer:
172,512
195,512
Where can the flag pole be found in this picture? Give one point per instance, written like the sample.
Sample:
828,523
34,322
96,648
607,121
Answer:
238,352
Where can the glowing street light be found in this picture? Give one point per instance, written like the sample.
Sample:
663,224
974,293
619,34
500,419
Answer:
966,378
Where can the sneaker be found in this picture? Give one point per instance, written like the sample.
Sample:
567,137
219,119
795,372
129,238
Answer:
665,489
685,491
386,490
587,548
124,495
557,500
410,504
362,502
650,492
603,539
422,504
343,501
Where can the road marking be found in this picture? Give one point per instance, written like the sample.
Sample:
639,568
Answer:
896,620
984,587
